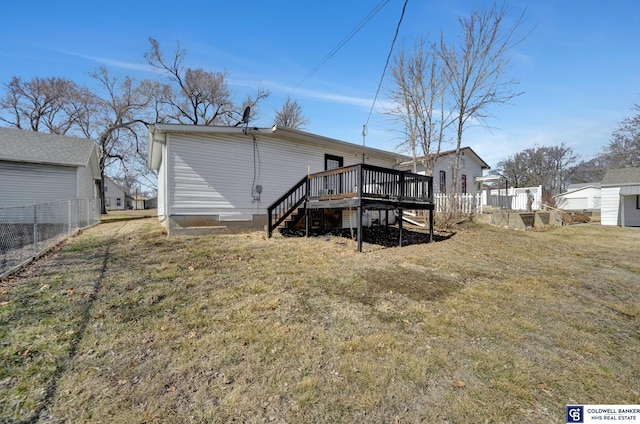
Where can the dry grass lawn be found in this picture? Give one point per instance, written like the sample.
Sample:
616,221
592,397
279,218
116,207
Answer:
122,324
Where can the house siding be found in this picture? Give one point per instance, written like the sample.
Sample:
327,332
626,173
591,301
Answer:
469,166
112,193
26,184
587,198
162,184
631,212
85,183
610,205
205,180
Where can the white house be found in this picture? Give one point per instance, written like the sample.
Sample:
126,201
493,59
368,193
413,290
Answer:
39,167
580,197
620,203
225,178
115,197
471,167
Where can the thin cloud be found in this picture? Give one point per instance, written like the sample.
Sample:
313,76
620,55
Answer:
134,66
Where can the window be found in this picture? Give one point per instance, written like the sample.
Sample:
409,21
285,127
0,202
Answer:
105,186
638,201
118,202
464,184
107,202
443,182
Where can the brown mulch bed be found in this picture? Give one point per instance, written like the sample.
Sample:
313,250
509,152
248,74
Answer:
382,236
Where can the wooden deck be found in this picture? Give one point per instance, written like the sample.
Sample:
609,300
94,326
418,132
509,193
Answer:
359,186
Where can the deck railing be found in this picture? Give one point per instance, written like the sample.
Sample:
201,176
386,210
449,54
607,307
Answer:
286,205
357,181
370,181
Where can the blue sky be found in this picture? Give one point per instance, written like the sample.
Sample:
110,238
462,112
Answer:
579,68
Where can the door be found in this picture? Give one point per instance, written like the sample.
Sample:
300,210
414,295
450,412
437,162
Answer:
332,182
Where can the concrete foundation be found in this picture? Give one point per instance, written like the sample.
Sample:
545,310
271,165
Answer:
211,224
520,220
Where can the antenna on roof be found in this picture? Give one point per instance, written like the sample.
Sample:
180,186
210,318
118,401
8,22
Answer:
245,115
245,118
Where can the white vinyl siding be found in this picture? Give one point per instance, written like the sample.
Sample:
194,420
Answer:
26,184
610,206
85,183
162,184
115,195
215,175
631,212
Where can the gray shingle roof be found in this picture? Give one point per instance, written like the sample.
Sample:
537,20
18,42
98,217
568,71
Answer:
35,147
622,176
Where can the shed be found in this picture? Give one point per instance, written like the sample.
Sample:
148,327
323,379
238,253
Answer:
621,197
39,167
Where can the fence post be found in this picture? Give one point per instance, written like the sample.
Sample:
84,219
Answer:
35,230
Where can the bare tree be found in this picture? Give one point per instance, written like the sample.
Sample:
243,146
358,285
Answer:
477,67
548,166
38,105
624,148
195,96
116,120
291,116
419,93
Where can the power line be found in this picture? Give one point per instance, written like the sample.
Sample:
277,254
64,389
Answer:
404,7
342,43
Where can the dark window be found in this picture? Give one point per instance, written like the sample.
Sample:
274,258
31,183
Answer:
443,182
118,202
464,184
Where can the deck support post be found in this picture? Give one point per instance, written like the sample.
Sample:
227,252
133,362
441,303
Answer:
360,191
430,225
400,227
306,221
359,220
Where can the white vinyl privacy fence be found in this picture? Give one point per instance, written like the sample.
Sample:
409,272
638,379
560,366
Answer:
514,199
27,231
465,203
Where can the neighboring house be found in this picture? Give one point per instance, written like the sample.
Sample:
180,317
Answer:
471,167
579,197
40,167
138,202
226,177
151,203
621,197
115,197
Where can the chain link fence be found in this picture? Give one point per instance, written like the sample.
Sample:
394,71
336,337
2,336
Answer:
28,231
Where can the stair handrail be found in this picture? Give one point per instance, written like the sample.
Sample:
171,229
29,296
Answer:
293,198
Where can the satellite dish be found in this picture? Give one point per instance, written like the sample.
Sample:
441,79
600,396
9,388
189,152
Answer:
245,115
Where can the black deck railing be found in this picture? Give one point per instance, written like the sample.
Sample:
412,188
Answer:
368,181
360,181
286,205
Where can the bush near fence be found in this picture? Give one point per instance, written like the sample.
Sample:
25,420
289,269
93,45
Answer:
28,231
